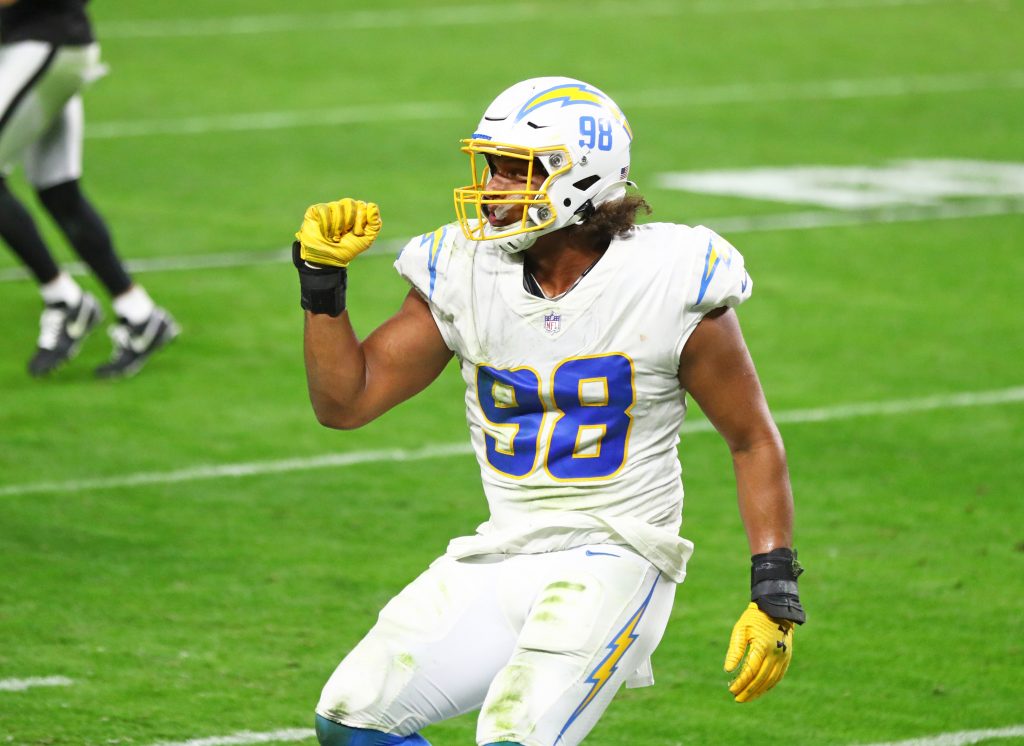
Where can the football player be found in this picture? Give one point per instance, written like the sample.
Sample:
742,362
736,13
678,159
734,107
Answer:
578,334
48,54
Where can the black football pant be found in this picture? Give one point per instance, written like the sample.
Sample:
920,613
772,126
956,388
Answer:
77,220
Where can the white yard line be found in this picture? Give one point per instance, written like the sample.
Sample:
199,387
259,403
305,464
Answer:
183,263
823,90
962,738
686,97
803,220
902,406
457,16
20,685
245,737
278,120
254,468
336,460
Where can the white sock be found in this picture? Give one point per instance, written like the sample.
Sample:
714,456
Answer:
134,304
63,289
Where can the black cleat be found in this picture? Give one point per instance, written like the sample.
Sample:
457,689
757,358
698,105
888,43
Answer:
61,332
133,344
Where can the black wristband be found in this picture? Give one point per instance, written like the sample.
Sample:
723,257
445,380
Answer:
773,584
322,289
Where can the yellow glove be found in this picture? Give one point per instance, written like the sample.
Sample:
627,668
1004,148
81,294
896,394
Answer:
335,233
767,644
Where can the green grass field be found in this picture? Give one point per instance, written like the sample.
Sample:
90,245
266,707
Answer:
190,603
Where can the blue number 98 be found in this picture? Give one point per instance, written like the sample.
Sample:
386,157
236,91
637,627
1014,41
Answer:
595,133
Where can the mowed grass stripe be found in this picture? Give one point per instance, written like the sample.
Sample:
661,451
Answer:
453,16
688,97
334,460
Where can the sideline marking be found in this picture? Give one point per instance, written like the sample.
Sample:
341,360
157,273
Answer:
246,737
461,16
255,468
963,738
786,221
20,685
737,93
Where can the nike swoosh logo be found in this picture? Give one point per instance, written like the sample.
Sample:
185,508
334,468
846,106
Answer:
604,554
77,327
141,343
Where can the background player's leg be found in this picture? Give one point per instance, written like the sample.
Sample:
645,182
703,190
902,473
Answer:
19,232
53,164
36,81
87,234
29,99
69,313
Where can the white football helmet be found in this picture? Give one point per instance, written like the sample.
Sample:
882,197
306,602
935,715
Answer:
568,128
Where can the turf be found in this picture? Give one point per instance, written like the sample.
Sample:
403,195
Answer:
200,608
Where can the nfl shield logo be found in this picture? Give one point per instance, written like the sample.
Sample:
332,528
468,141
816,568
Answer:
552,322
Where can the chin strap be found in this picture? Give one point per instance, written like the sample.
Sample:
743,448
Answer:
522,241
515,244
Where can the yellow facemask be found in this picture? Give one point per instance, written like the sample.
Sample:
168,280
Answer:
473,201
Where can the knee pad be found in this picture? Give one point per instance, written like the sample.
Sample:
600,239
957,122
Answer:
330,733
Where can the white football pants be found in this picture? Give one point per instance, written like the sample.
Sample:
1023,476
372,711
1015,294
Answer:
41,115
539,642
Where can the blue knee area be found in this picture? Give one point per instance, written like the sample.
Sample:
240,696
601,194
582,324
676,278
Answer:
330,733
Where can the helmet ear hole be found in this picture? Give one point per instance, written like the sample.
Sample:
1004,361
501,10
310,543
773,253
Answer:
586,210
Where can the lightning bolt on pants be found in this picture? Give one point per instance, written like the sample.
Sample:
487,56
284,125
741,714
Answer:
539,643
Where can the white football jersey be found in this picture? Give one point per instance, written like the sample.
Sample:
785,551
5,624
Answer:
574,405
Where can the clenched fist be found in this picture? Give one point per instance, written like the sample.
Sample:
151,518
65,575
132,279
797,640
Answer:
764,646
335,233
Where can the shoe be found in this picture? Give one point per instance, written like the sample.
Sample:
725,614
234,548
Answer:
134,343
61,332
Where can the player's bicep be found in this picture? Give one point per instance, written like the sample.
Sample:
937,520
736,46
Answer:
718,372
403,356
